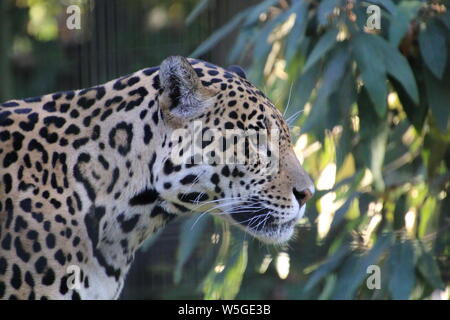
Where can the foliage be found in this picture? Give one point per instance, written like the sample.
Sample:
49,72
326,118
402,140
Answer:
39,54
374,133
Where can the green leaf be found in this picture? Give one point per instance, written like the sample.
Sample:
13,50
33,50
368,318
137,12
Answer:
400,212
199,8
428,267
248,33
328,266
398,67
428,217
343,98
334,71
244,39
445,18
433,47
256,11
340,213
219,34
438,95
354,270
191,230
374,133
370,60
263,47
325,43
416,113
345,143
226,283
436,146
327,291
304,86
296,35
326,8
399,22
401,265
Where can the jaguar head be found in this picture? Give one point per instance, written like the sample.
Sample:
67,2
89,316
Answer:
232,149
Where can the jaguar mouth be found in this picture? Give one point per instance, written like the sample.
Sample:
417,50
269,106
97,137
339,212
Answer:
253,219
262,224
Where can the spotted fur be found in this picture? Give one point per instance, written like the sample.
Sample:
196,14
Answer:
86,176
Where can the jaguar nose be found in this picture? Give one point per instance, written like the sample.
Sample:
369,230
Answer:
302,196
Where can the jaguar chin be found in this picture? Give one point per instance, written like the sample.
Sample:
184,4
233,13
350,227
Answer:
267,225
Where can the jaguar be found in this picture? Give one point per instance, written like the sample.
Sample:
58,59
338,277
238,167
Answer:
86,176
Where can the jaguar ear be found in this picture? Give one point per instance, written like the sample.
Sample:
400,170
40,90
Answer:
238,70
183,94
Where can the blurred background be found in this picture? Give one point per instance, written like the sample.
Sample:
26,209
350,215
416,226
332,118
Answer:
366,91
